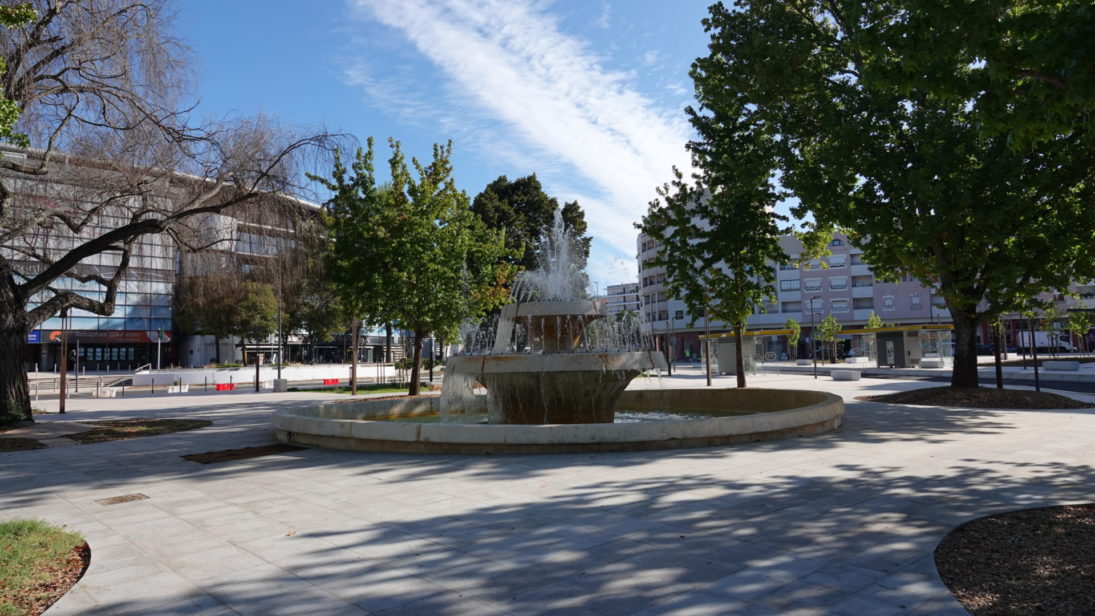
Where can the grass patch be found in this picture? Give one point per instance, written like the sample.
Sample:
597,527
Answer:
38,564
120,429
980,398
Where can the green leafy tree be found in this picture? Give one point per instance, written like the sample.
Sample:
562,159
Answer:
1079,323
874,321
255,317
793,337
412,253
523,211
826,333
954,146
10,17
717,235
358,244
442,269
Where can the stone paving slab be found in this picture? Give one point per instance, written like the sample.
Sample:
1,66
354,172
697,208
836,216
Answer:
841,523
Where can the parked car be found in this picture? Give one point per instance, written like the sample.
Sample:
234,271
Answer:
984,349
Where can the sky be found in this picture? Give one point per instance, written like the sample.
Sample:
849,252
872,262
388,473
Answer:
587,94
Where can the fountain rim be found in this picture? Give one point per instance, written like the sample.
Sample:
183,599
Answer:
308,426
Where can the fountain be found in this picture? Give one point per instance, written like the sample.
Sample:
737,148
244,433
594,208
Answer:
554,358
550,377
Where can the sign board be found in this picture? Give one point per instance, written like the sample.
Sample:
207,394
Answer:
34,337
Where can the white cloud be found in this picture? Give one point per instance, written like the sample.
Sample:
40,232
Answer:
604,20
553,94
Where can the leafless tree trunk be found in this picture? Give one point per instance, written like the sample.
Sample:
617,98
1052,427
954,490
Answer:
101,81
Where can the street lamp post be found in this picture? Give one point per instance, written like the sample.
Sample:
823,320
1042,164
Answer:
813,334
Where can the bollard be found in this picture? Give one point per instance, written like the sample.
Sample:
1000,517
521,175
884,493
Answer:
98,388
206,384
153,386
123,389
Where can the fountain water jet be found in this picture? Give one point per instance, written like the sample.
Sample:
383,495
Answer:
541,369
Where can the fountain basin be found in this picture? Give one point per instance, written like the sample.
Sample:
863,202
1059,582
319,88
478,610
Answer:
780,413
545,388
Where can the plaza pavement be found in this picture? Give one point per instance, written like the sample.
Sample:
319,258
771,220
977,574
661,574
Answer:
841,523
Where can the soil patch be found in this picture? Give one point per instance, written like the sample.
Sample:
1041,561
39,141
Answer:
19,444
38,564
120,429
228,455
1038,561
980,398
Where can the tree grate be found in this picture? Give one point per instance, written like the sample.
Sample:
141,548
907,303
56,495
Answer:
116,500
228,455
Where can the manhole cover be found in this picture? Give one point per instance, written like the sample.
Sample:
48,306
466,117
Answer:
212,457
115,500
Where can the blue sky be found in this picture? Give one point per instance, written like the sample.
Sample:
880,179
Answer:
589,95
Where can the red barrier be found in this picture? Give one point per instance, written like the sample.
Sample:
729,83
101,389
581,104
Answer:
330,381
226,387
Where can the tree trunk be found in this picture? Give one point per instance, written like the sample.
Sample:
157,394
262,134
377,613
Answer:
416,363
739,361
14,392
387,343
964,373
996,342
355,338
257,366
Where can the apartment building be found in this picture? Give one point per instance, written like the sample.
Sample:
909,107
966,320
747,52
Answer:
841,284
622,297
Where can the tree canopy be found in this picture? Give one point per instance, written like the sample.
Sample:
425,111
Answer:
425,260
953,144
523,210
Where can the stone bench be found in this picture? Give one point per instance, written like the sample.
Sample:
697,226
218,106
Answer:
931,362
846,375
803,362
1070,366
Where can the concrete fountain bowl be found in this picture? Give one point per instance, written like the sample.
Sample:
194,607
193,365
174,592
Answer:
372,424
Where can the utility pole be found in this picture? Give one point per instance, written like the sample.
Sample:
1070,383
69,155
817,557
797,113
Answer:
64,363
813,335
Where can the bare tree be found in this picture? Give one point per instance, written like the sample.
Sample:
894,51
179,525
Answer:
117,181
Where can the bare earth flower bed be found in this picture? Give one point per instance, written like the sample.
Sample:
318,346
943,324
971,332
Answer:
120,429
1038,561
981,398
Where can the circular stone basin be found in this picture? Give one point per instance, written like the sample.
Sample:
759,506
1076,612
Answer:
777,413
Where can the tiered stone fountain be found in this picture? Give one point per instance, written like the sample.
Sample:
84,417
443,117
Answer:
550,377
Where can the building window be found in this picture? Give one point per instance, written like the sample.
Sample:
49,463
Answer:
791,307
888,303
838,261
816,304
857,258
663,315
914,301
789,285
838,283
839,305
788,266
812,284
863,303
678,315
836,243
862,281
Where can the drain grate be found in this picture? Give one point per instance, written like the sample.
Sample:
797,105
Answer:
116,500
228,455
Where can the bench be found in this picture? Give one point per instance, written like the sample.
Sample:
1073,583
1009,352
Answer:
1070,366
846,375
803,362
931,362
